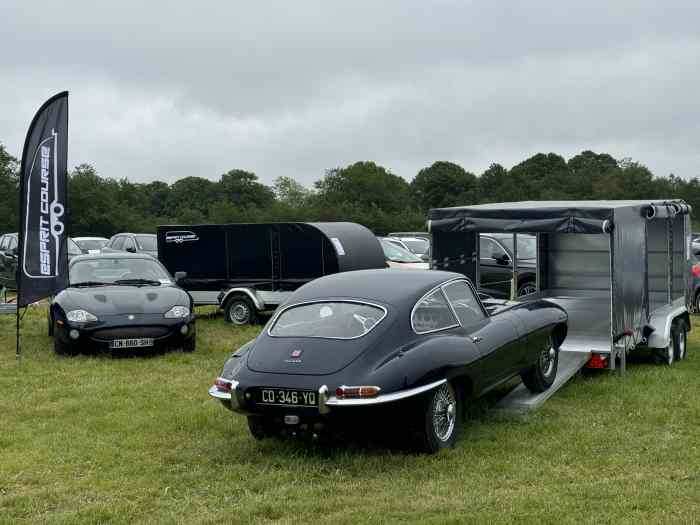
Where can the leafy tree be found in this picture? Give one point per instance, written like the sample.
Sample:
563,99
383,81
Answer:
288,191
194,193
9,179
367,185
444,184
241,188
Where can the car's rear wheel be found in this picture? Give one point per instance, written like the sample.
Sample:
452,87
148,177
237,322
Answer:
440,423
239,310
541,375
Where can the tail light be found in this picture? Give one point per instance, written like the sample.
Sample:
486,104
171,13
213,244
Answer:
356,392
696,270
222,385
597,361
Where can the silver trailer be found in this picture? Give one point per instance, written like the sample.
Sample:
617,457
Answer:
620,269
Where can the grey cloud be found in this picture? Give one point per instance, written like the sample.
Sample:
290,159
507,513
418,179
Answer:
162,92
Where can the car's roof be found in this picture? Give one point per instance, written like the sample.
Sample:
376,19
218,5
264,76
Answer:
393,286
132,233
89,238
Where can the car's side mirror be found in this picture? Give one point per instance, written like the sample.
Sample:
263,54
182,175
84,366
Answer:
179,276
502,259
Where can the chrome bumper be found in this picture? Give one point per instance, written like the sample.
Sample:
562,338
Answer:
325,402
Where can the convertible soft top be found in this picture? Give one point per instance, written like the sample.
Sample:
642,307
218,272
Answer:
549,216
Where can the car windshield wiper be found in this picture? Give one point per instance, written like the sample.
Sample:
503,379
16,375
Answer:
149,282
89,283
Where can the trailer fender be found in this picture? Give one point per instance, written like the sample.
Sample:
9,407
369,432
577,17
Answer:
661,323
259,304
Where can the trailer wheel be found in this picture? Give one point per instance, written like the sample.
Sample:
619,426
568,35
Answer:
542,374
666,356
681,341
239,310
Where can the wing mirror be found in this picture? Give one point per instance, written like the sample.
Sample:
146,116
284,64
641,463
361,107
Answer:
179,276
502,259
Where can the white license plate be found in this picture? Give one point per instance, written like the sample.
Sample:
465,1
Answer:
283,396
131,343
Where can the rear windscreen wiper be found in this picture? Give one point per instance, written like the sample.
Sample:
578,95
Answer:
149,282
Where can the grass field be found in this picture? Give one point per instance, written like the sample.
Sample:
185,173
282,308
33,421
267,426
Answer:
137,440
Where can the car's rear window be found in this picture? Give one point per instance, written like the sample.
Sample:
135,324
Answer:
332,319
147,242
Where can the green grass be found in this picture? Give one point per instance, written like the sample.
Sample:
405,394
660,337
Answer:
102,440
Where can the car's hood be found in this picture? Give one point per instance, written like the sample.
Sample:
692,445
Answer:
119,300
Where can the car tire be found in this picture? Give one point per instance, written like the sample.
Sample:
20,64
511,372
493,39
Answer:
260,427
189,345
527,288
239,310
681,343
696,303
666,356
440,422
542,374
61,348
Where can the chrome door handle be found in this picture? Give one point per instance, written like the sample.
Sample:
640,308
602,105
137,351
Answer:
477,339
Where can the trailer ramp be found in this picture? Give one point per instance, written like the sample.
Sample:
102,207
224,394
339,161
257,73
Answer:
521,400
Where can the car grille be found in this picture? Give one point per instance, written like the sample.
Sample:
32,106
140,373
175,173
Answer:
130,332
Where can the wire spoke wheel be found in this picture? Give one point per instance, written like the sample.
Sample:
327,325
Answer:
547,358
444,413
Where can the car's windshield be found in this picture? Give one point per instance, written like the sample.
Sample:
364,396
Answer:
397,254
334,320
527,246
419,246
91,244
146,242
112,269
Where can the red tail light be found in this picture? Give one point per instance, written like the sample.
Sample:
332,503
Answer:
350,392
597,361
696,270
222,385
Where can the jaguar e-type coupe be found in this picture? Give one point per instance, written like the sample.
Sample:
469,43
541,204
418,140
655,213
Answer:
420,343
120,302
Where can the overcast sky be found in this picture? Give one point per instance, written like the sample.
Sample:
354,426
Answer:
295,88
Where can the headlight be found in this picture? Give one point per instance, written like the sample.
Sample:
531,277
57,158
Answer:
80,316
177,312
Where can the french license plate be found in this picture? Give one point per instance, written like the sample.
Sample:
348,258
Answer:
286,397
131,343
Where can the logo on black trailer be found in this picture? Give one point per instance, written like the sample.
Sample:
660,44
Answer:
179,237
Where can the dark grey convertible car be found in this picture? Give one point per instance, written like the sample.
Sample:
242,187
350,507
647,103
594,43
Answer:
420,341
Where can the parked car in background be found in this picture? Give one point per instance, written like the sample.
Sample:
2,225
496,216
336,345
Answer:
374,345
419,246
695,272
8,261
8,258
496,264
120,301
398,257
91,244
133,243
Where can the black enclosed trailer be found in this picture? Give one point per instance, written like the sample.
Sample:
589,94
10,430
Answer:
246,268
619,268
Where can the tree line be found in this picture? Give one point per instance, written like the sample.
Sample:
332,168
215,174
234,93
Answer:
363,192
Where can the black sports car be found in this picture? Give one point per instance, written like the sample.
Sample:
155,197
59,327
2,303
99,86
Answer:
118,302
419,340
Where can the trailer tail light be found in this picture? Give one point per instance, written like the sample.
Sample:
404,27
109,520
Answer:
356,392
597,361
696,270
222,385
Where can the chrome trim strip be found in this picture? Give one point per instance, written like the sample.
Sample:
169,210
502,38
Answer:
272,321
260,305
384,398
441,287
218,394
